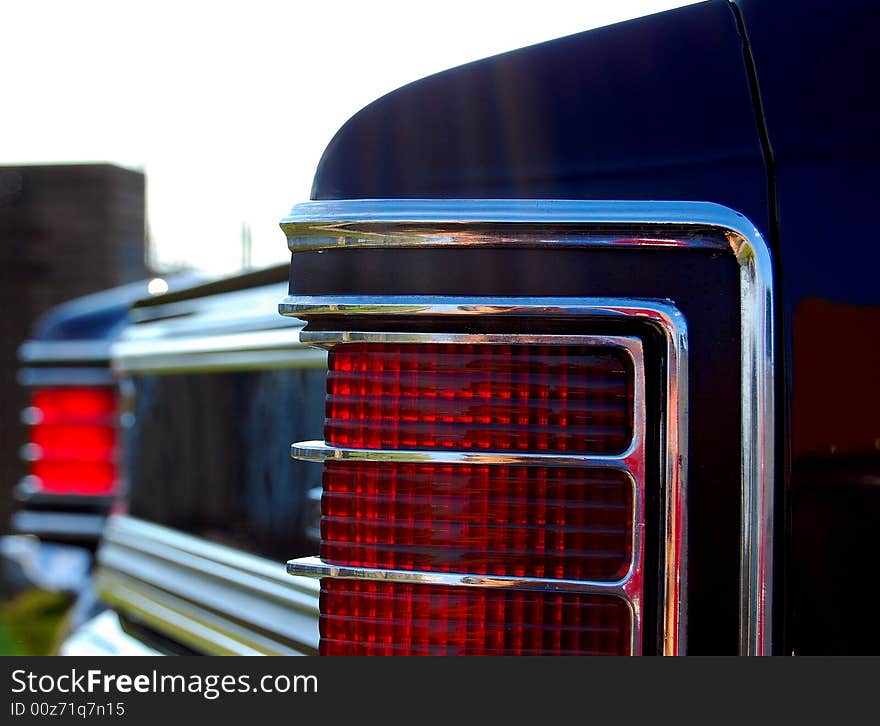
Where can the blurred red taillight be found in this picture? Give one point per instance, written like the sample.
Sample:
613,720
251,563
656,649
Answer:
72,441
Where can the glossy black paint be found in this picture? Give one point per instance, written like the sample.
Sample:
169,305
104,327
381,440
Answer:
208,454
654,108
816,68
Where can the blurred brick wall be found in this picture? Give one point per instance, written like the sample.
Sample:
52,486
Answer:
65,231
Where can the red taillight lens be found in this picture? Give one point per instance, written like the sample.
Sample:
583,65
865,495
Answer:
534,521
524,398
73,440
464,481
387,618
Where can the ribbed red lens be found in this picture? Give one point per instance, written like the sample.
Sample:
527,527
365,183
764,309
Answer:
532,519
73,440
551,522
525,398
388,618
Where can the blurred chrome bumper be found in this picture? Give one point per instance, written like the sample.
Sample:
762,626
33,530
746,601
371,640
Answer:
103,635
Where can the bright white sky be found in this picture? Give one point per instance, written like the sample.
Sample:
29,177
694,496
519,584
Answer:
227,107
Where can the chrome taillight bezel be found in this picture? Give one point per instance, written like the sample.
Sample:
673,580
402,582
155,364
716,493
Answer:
663,317
540,223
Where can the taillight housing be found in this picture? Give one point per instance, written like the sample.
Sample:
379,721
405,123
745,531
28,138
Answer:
72,440
483,494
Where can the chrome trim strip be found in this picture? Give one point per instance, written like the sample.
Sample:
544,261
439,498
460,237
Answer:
327,224
320,451
59,376
69,525
179,620
229,331
626,589
315,224
328,339
66,351
259,350
317,568
215,598
758,447
220,312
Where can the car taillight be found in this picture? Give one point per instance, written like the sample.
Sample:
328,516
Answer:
482,495
533,521
565,398
390,618
72,440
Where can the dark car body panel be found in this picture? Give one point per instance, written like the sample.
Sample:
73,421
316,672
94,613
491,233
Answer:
654,108
816,70
211,455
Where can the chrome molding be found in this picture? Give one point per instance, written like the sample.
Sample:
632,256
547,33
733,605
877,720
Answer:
316,567
259,350
664,316
69,525
320,225
65,376
222,312
103,635
213,598
229,331
328,224
321,452
64,351
758,360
